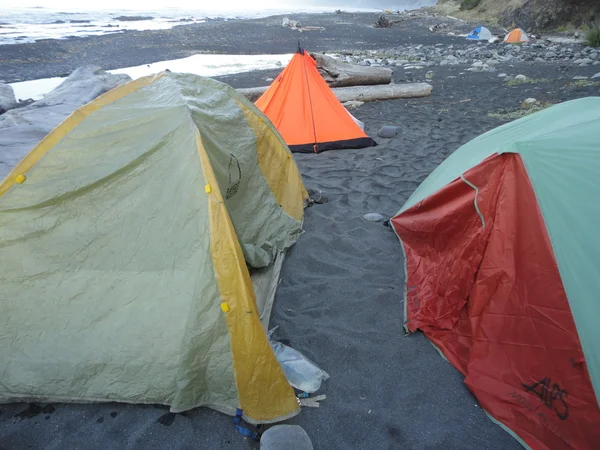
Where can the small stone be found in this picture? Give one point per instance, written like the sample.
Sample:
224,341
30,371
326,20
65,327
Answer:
388,131
538,59
501,75
550,55
268,80
373,217
580,78
583,61
594,55
596,63
352,104
429,75
530,101
521,77
288,437
596,76
477,64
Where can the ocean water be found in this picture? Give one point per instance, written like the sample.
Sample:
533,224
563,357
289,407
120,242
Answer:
65,19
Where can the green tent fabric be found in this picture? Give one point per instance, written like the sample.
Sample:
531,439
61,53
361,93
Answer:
124,239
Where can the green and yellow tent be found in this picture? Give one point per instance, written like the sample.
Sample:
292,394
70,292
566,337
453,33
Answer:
125,237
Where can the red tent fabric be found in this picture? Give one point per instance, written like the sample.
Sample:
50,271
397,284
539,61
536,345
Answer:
307,113
488,293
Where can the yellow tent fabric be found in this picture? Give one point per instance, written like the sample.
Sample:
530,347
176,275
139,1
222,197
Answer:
125,237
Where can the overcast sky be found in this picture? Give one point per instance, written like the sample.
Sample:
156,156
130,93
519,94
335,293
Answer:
230,5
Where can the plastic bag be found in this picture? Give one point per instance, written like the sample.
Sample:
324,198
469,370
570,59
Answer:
300,372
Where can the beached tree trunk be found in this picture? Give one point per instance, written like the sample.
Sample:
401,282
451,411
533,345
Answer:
363,93
340,74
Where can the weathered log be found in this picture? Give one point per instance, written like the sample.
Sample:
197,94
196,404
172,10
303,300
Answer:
340,74
363,93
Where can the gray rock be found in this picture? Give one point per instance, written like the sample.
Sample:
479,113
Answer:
492,62
550,55
373,217
594,55
530,101
388,131
596,76
521,77
7,98
596,63
538,59
583,61
580,78
353,104
502,75
429,75
285,437
477,64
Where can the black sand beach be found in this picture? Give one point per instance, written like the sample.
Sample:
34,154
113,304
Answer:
340,300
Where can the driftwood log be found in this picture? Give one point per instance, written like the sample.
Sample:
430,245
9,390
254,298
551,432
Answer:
363,93
340,74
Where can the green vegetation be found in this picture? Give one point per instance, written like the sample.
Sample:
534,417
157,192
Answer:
592,34
584,83
466,5
525,81
524,110
567,27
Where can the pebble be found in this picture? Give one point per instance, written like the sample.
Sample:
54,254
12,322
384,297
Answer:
502,75
580,78
429,75
288,437
530,101
388,131
373,217
596,76
353,104
520,77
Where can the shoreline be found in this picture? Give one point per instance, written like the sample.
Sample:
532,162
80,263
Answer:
341,32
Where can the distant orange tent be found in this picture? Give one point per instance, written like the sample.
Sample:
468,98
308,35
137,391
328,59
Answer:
307,113
516,36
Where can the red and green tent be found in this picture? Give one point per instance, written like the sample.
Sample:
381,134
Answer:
502,246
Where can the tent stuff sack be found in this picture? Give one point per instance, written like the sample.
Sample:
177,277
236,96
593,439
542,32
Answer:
126,236
307,113
502,260
301,372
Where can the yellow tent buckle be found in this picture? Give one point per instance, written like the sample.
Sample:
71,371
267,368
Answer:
207,189
225,307
20,178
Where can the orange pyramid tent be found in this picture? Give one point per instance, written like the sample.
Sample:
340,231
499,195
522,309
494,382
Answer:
307,113
516,36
